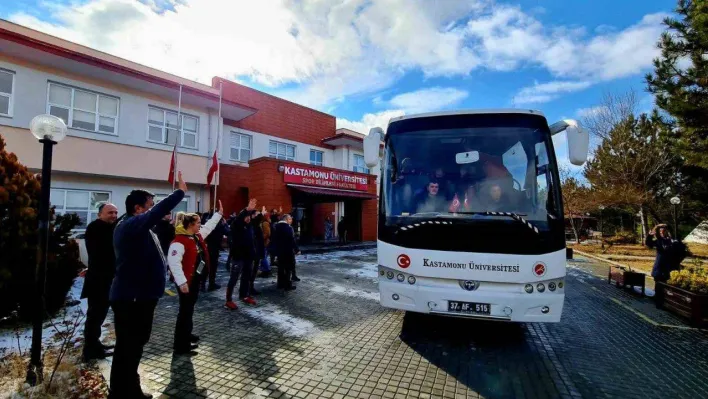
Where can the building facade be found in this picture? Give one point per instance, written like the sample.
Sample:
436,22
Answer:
124,119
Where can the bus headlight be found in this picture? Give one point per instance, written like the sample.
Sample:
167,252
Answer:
411,280
552,286
400,277
540,287
389,275
528,288
382,272
560,284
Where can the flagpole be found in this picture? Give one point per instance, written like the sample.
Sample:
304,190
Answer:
179,134
218,138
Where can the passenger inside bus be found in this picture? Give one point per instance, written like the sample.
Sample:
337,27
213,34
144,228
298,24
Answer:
431,200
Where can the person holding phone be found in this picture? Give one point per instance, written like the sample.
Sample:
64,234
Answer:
188,260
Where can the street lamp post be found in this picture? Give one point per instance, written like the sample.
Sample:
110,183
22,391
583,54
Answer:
49,130
675,201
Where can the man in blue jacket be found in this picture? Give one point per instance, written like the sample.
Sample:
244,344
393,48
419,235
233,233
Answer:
138,284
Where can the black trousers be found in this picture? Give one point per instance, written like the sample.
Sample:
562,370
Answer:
286,266
244,270
184,326
214,252
95,316
133,322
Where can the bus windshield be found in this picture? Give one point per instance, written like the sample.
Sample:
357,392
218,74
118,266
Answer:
470,166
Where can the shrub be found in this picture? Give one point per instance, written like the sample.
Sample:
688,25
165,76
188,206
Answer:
623,237
19,209
691,279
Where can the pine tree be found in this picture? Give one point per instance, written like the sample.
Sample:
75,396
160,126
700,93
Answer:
19,208
680,78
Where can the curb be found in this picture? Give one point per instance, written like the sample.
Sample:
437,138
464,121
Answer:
610,262
335,248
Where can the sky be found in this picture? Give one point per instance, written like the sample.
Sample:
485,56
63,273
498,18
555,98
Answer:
365,61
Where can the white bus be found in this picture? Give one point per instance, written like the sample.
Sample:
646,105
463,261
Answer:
470,213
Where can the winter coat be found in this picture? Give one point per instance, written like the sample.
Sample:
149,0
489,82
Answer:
187,250
165,231
667,257
102,259
265,227
243,245
283,243
140,262
258,236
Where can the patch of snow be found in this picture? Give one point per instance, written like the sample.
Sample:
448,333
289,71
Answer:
348,291
8,337
368,271
276,317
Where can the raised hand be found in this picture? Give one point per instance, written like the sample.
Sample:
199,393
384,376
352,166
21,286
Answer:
221,208
180,182
252,204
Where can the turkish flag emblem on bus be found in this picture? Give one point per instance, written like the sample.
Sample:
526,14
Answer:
403,261
539,269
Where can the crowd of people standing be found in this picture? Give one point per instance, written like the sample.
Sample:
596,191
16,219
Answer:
132,258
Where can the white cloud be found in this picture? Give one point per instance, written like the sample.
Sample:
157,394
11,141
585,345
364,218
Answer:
545,92
426,100
591,111
379,119
330,50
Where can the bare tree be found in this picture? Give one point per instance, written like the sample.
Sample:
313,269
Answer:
613,109
577,199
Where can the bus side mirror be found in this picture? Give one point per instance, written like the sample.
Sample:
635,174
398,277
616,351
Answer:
372,145
578,144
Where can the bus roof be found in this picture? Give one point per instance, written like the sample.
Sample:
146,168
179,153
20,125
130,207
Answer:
469,112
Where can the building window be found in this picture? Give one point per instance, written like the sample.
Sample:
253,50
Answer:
240,147
7,86
181,207
316,157
163,128
83,203
85,110
360,165
281,151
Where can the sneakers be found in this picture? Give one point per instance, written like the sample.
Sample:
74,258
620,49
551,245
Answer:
231,305
249,300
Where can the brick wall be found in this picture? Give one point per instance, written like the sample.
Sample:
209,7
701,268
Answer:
278,117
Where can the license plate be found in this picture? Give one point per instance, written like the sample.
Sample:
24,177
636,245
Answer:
468,307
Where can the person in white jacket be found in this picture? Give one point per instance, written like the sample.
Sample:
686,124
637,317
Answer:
188,260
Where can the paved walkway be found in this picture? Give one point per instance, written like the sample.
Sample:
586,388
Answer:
331,339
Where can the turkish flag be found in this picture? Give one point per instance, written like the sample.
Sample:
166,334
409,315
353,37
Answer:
173,165
214,168
455,204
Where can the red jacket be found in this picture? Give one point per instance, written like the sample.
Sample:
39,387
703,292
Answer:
189,258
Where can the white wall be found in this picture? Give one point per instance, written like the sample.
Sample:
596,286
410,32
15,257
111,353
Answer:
120,188
30,99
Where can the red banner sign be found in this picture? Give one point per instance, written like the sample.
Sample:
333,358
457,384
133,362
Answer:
297,174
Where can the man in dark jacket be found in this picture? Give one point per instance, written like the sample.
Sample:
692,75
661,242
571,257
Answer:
243,253
213,242
285,247
138,284
259,241
165,231
97,285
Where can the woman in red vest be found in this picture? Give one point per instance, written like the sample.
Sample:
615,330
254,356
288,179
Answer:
188,260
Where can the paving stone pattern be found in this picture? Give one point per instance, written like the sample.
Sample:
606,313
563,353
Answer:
331,339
